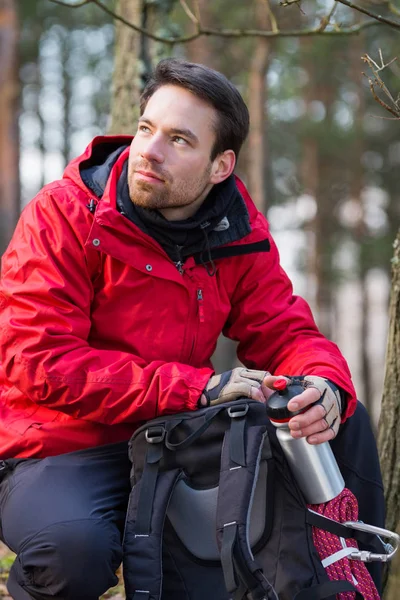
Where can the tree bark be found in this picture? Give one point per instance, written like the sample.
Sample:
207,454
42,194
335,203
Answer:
257,97
389,423
9,134
309,169
361,233
201,49
67,93
128,69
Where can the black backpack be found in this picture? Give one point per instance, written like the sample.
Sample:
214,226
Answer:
215,513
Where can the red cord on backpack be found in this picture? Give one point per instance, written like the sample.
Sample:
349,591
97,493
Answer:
342,508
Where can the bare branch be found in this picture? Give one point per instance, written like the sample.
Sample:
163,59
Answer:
229,33
271,16
393,9
377,82
365,11
197,10
288,2
189,13
326,20
380,101
75,5
237,33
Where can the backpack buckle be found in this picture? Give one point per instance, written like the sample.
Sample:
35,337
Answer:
155,435
238,410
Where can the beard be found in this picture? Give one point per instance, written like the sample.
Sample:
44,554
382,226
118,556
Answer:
169,193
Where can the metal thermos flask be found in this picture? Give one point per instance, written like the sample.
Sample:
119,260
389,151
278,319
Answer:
313,466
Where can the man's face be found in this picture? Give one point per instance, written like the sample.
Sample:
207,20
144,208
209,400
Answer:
169,161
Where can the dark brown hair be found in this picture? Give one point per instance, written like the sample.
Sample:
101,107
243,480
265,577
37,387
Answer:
214,88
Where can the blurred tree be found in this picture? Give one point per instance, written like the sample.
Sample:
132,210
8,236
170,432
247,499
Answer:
389,424
360,229
130,58
135,55
9,106
257,102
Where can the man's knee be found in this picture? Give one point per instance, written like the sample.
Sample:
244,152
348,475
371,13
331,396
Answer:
71,560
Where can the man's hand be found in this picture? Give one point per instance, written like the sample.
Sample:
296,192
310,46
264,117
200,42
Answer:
233,385
321,422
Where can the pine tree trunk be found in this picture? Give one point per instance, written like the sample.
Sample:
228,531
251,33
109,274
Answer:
309,168
361,233
9,135
128,69
389,423
65,43
201,49
257,94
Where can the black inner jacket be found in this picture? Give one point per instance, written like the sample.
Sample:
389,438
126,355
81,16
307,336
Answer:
221,219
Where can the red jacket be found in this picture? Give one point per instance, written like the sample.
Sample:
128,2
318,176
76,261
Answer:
100,331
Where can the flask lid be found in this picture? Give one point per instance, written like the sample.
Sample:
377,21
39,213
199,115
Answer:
276,405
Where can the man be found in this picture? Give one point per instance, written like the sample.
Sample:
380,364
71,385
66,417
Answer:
115,287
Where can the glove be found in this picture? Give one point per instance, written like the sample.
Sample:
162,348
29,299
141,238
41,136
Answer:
232,385
330,398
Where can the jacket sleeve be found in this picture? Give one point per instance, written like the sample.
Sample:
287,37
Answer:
276,330
45,302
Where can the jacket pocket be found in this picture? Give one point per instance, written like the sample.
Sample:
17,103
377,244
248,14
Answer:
35,420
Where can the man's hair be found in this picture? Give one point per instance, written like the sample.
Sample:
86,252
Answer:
214,88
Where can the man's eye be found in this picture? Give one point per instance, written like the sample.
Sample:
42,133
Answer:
179,140
143,129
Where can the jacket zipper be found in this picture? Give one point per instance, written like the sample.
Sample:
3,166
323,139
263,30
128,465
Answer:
200,312
200,305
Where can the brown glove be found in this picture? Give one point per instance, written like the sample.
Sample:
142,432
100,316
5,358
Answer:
232,385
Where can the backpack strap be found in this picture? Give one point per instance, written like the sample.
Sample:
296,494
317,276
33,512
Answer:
328,590
236,490
346,531
144,525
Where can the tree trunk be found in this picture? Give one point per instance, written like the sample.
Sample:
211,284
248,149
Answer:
135,55
129,69
65,45
257,97
201,49
389,423
9,135
356,186
318,182
309,169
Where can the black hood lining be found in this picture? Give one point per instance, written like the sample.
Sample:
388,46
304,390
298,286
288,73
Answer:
96,169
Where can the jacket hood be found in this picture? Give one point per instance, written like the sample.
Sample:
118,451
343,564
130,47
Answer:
92,168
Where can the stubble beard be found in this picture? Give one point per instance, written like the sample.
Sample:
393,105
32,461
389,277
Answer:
146,195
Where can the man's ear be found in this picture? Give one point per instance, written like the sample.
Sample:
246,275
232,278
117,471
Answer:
222,166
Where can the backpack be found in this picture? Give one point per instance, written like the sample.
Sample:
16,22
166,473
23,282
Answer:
215,513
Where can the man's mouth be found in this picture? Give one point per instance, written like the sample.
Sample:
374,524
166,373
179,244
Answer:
148,176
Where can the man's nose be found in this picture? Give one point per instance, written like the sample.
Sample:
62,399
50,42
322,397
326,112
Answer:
153,149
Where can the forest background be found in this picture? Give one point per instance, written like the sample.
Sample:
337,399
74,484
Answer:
322,160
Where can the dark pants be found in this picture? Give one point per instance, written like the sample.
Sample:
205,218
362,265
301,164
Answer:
63,516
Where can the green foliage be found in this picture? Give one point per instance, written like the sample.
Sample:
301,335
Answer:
6,563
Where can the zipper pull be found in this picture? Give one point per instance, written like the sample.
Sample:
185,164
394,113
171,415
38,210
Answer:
201,305
179,266
179,262
92,205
